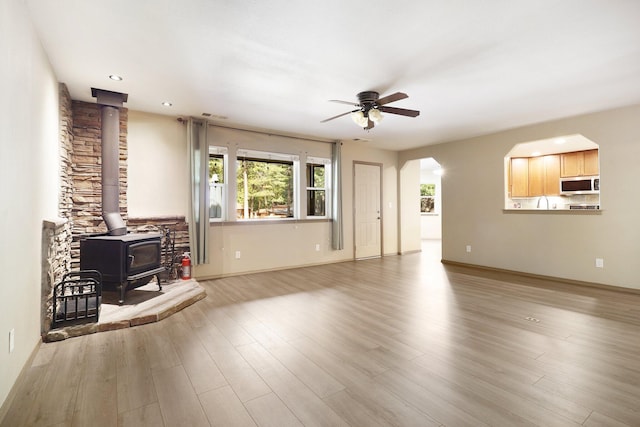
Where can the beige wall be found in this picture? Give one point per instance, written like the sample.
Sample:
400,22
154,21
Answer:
555,244
157,166
409,190
29,178
157,145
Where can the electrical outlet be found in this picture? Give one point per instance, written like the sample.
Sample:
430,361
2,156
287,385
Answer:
599,263
468,248
237,254
317,247
12,340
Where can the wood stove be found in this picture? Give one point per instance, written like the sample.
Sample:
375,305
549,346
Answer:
125,262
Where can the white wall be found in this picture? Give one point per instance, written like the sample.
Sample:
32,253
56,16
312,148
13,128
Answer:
158,176
559,244
29,160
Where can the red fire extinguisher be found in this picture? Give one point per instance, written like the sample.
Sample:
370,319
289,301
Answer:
186,266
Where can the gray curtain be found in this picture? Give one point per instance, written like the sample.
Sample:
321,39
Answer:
199,191
337,238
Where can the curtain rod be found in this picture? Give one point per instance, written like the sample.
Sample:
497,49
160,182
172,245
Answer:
260,132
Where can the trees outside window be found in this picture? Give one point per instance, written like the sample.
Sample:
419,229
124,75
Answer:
316,189
265,189
267,185
427,198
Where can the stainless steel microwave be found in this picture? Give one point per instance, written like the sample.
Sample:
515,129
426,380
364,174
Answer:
580,185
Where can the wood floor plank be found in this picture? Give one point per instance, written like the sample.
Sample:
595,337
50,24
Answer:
224,409
244,380
509,380
98,379
159,348
373,399
55,400
604,401
200,367
179,403
144,416
304,369
27,399
299,398
396,341
269,411
134,378
598,420
354,412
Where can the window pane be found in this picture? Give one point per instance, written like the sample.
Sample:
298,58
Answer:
316,203
315,175
216,186
265,189
427,204
216,169
427,189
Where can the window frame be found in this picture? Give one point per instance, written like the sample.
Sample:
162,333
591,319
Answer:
271,157
326,163
433,197
231,161
220,152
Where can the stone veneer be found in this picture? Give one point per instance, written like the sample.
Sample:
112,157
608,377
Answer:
80,206
86,172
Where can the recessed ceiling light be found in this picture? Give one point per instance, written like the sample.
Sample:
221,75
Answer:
167,104
536,153
559,141
115,77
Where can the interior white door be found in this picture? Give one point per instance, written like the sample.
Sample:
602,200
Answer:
367,218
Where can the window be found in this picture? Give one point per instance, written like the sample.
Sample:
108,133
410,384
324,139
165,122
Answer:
427,198
257,185
317,176
216,182
265,186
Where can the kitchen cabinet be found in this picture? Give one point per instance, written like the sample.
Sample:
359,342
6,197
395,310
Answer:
535,176
552,175
591,164
519,177
544,176
579,163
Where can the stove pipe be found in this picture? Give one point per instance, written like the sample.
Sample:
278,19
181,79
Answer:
110,104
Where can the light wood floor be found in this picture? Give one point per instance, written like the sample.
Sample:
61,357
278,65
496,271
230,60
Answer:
399,341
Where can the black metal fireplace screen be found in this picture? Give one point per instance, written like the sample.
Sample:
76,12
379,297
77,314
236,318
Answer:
77,298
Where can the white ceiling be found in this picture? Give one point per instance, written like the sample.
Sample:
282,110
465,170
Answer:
470,67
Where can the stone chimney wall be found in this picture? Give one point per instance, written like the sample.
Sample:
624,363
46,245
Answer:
80,205
86,170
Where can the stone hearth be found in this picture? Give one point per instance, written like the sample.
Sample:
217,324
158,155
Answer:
145,304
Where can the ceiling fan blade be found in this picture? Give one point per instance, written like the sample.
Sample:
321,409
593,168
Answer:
355,104
401,111
335,117
392,98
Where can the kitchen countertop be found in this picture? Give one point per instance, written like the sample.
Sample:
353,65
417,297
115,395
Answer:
555,211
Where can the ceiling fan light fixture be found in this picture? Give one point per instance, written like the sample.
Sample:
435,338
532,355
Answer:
375,115
359,118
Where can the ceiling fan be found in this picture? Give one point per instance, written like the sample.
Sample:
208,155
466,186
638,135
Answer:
369,106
